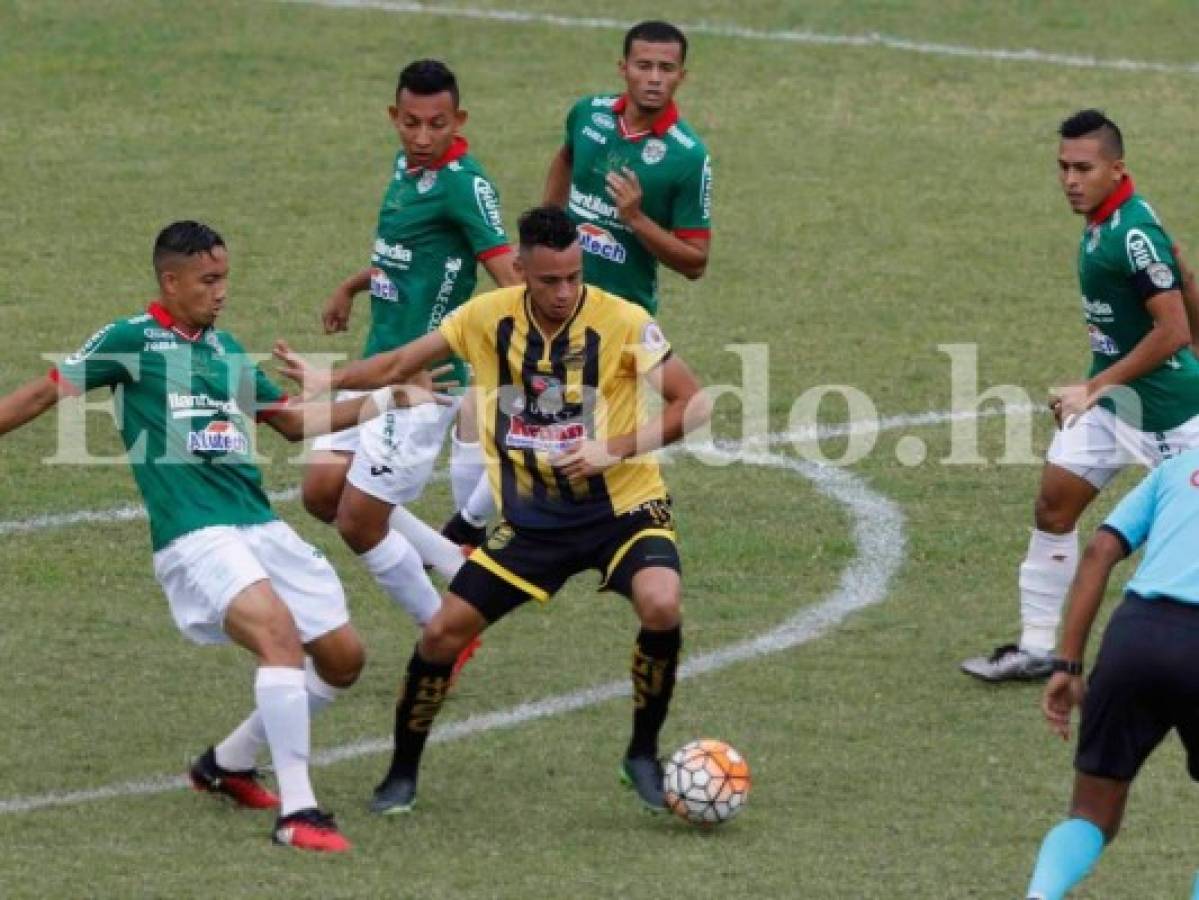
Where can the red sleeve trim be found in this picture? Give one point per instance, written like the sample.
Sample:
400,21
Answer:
273,410
494,252
705,233
64,385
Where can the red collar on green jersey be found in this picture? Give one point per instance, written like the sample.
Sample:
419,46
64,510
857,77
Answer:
166,320
458,149
661,125
1114,201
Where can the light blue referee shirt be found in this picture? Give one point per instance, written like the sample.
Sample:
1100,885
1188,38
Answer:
1162,513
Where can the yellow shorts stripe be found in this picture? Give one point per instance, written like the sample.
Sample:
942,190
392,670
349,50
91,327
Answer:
513,579
627,545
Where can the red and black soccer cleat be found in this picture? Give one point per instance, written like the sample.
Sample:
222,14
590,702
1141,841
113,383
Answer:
310,829
243,788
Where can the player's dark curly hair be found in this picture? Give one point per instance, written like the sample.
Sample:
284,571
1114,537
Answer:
546,226
427,77
654,31
1093,123
185,238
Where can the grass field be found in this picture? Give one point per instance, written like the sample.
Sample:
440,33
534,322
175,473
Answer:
870,204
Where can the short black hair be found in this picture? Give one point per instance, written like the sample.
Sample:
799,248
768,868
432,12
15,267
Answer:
654,31
185,238
427,77
546,226
1093,123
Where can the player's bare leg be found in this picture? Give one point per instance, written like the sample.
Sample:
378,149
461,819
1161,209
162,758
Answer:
1045,577
258,620
455,625
324,479
657,600
1071,848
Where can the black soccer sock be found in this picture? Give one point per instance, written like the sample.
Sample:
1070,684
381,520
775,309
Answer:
655,660
420,700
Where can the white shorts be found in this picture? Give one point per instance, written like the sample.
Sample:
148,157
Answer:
1100,444
202,571
395,452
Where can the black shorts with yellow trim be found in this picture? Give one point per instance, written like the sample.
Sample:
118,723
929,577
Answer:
516,565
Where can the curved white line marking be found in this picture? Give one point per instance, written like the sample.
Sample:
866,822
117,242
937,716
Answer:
877,527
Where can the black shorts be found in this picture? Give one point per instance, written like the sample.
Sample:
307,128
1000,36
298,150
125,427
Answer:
515,565
1145,682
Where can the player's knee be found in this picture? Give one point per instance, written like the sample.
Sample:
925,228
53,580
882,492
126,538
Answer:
659,608
443,639
343,671
319,502
1054,516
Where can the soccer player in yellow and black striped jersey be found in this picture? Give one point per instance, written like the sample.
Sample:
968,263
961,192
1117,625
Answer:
560,366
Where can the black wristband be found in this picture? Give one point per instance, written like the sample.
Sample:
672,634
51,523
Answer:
1069,666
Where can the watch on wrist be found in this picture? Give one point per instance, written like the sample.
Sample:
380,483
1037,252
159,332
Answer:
1069,666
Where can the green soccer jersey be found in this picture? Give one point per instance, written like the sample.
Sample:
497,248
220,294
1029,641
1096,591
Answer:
186,407
1125,259
434,223
675,172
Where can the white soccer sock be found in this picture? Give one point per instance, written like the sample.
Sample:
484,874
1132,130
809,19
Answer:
466,468
1045,577
239,751
283,702
479,509
400,572
434,548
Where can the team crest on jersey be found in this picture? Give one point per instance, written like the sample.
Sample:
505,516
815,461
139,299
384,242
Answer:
600,242
1160,275
653,152
217,438
427,179
501,537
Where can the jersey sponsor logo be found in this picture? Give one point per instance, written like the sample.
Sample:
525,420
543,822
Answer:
89,346
589,206
191,406
158,334
378,471
554,437
1097,309
382,287
705,189
1101,343
1140,249
393,253
489,204
218,437
652,338
159,346
426,181
604,120
1160,275
449,278
600,242
653,152
590,132
608,102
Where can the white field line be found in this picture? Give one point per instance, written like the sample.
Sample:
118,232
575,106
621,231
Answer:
878,533
131,512
813,38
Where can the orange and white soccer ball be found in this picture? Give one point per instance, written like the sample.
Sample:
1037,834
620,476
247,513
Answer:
706,782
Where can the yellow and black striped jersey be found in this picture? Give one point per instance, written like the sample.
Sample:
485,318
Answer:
539,393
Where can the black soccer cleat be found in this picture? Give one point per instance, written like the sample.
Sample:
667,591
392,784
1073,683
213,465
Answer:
394,796
243,788
459,531
644,775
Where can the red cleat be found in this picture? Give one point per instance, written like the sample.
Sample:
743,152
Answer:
463,658
310,829
243,788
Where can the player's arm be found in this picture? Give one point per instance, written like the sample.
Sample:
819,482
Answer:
557,180
27,402
1190,295
335,316
685,407
687,255
391,368
299,420
501,269
1170,333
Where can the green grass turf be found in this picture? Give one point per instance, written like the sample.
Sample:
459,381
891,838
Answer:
870,205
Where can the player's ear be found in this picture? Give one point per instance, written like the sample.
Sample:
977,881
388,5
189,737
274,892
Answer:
518,264
1118,169
460,116
393,113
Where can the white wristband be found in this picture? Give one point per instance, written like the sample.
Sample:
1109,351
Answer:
383,398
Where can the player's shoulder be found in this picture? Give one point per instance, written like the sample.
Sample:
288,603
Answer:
131,329
615,309
1135,215
491,305
687,139
222,340
596,101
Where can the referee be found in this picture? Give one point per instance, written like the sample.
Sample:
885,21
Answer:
1145,680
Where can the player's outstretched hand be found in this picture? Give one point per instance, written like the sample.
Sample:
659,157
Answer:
427,387
584,459
335,316
313,381
1062,694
